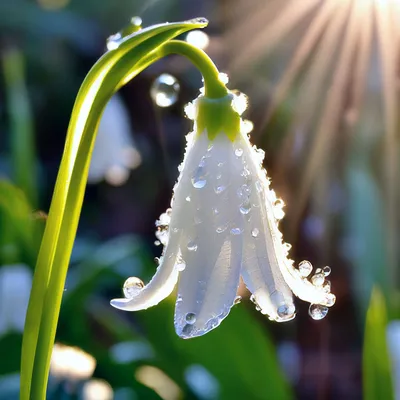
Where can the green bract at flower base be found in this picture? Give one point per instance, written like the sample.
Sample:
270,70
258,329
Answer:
133,54
217,115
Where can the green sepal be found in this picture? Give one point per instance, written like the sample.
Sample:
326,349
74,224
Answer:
217,116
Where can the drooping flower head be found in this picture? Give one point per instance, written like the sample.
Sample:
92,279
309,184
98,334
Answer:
223,225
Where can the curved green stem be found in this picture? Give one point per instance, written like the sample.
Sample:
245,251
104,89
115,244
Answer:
213,87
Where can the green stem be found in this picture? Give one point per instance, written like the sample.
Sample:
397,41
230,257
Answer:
213,87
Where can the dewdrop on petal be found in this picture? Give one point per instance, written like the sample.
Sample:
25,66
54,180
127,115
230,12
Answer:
223,225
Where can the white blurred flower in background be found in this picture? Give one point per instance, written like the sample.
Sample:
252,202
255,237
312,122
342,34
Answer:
71,363
393,341
15,287
114,153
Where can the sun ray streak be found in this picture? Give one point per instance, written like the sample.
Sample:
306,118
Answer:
265,40
329,121
317,74
362,63
318,25
385,32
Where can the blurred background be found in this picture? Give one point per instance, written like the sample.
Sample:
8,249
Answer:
323,82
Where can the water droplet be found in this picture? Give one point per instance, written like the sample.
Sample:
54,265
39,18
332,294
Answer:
236,231
239,152
199,20
164,90
219,189
180,266
224,78
157,242
237,300
287,246
179,298
305,268
286,312
137,21
190,318
132,287
326,286
157,260
199,176
187,329
222,228
162,235
318,311
326,271
215,211
113,41
255,232
188,198
330,300
244,193
239,103
259,187
192,246
220,164
246,126
164,220
318,279
245,208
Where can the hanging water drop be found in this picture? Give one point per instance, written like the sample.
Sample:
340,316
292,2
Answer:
318,279
188,199
305,268
255,232
132,287
219,189
317,311
286,312
164,90
326,271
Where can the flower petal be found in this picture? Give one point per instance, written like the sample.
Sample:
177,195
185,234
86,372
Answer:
160,286
208,285
261,272
164,281
277,251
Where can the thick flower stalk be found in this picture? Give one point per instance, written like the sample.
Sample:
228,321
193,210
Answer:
223,225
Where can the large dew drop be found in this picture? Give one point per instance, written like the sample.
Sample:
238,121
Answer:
318,311
164,90
132,287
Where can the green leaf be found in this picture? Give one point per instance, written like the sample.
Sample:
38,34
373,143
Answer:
21,123
240,354
377,381
114,69
18,231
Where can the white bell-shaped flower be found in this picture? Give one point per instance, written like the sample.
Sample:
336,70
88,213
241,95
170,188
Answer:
223,224
114,153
